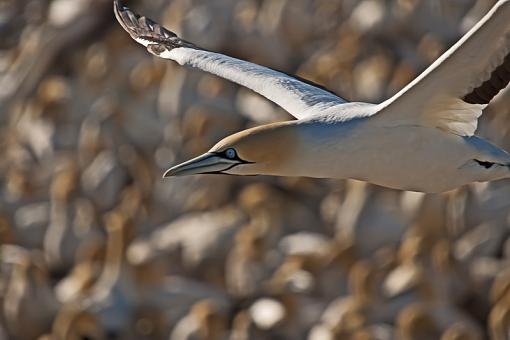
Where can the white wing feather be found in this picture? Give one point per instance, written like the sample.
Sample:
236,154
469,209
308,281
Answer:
298,97
442,96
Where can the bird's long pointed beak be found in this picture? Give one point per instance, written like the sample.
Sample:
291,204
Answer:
208,163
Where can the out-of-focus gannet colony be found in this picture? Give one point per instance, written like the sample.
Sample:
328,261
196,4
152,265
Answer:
95,245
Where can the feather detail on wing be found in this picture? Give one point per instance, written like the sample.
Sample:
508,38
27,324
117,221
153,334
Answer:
453,115
454,90
299,98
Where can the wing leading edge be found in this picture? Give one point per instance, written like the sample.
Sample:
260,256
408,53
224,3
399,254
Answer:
298,97
452,93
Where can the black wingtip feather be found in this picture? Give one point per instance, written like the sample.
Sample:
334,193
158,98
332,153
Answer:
499,79
141,27
125,17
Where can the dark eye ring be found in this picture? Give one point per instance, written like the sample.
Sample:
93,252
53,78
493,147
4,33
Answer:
231,153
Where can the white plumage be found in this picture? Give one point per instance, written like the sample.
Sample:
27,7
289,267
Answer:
420,139
435,98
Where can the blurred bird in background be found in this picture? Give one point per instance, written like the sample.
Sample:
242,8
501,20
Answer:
95,245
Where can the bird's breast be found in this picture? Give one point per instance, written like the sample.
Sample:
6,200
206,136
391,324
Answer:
402,157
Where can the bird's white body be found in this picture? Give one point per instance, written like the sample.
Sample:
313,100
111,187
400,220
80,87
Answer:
421,139
401,157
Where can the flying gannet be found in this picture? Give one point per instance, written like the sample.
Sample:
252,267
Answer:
421,139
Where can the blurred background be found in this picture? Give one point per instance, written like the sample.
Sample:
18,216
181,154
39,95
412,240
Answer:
95,245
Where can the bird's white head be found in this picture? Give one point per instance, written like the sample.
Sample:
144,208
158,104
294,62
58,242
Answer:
264,150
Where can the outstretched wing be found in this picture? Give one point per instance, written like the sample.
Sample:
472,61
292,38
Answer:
453,91
299,97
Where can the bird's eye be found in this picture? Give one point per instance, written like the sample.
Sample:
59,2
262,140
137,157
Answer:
230,153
